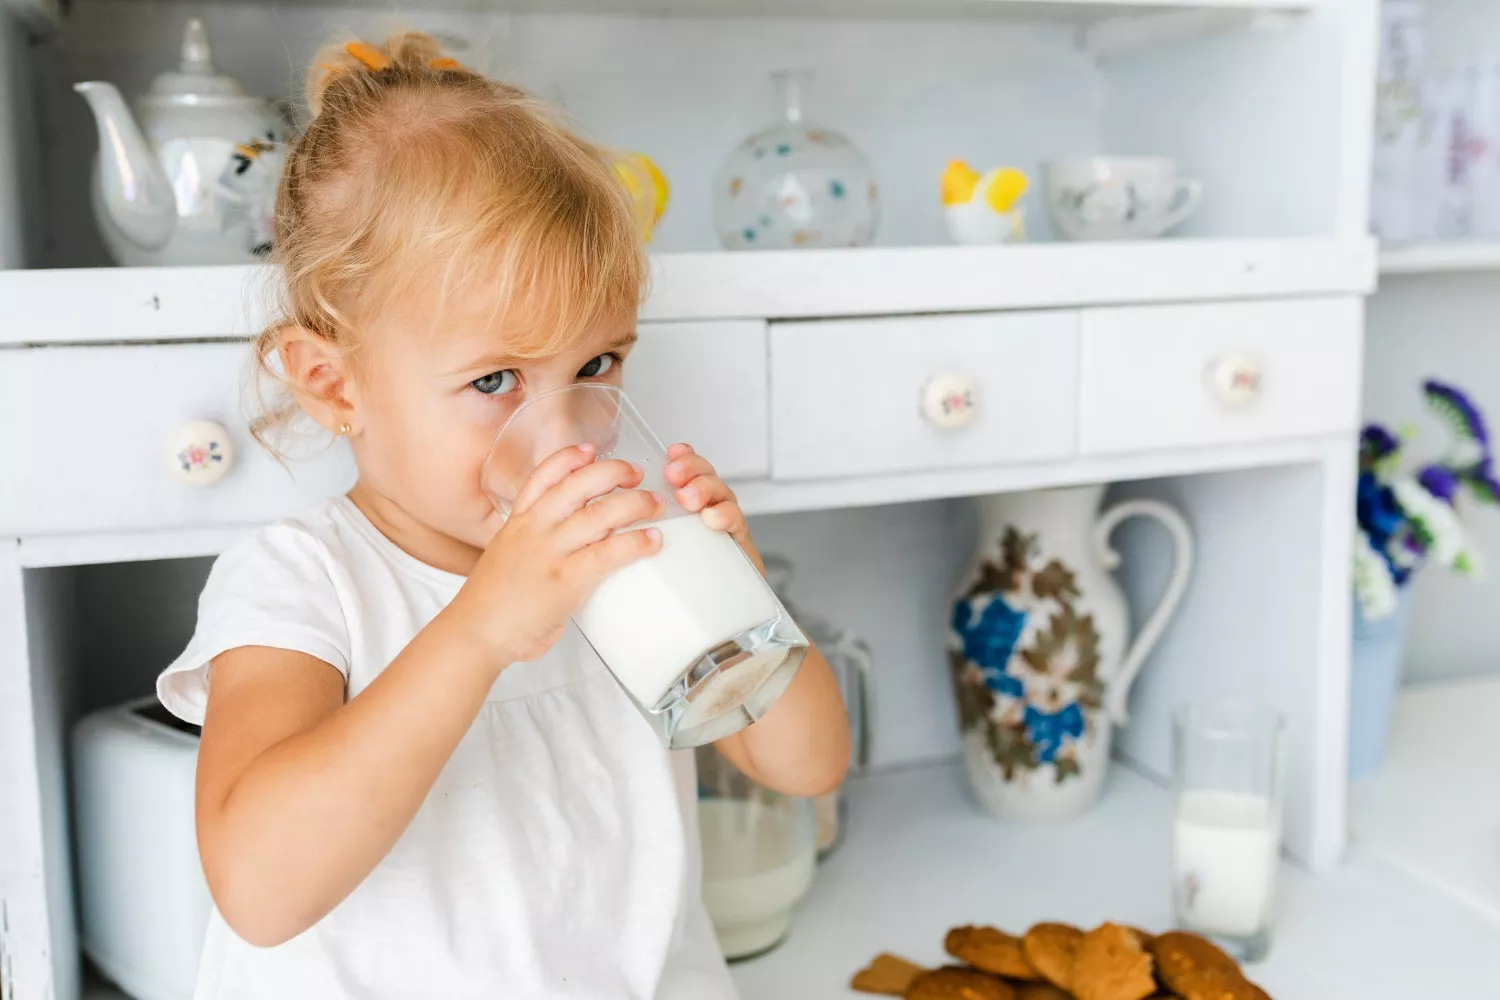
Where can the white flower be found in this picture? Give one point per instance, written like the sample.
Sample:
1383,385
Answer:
1373,584
1435,521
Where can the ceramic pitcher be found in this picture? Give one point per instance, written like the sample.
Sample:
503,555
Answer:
1038,647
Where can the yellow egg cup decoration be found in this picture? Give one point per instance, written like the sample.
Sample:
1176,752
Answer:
984,209
648,188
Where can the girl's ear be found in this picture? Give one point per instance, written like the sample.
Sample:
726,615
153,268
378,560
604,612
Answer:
319,376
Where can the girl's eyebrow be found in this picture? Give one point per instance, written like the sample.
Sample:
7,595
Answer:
496,361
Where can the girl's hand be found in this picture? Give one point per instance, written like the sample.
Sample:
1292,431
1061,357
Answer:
554,549
698,489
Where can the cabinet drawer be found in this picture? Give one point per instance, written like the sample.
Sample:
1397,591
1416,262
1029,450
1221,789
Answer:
705,383
83,431
852,397
84,434
1194,375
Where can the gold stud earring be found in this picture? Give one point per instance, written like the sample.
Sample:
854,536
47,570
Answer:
344,429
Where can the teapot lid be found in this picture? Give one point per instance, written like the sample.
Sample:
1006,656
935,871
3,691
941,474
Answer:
196,76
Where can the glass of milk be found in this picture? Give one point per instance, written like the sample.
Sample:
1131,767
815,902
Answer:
1229,766
693,634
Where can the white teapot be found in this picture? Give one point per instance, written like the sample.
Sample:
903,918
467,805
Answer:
191,178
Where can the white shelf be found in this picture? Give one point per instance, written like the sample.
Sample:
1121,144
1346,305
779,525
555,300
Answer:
106,305
1104,26
920,859
1433,808
1075,10
1441,258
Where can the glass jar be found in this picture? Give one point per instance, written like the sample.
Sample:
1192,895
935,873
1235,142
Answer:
794,184
759,853
850,660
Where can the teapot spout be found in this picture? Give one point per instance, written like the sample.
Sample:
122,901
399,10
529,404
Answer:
131,191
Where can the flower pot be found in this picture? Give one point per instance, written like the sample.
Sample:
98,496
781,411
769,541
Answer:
1375,659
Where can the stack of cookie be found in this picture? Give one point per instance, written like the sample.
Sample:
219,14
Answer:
1060,962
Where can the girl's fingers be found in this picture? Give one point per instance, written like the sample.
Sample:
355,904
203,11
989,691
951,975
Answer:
597,521
685,468
588,483
725,516
549,472
676,451
594,562
702,492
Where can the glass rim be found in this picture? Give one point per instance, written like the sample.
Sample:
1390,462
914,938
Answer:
539,397
626,409
1229,719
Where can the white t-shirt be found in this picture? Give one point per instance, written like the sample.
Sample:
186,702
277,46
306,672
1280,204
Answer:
557,854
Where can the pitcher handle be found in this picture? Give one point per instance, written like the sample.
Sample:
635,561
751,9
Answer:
1184,202
864,696
1182,569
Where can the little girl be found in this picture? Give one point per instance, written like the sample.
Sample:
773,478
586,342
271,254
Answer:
416,780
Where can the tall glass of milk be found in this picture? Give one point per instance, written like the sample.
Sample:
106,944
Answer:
693,633
1229,763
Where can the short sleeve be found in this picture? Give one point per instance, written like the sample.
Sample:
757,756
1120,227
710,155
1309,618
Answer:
274,589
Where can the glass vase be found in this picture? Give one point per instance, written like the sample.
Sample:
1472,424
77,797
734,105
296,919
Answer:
794,184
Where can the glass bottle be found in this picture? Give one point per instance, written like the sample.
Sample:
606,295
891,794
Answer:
850,660
759,854
794,184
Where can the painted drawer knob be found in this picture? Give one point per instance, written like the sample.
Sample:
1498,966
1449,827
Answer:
949,401
199,453
1235,380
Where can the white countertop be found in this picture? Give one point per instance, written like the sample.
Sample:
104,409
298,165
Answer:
1433,809
919,859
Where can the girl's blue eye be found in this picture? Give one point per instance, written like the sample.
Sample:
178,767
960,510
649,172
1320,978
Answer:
601,365
496,383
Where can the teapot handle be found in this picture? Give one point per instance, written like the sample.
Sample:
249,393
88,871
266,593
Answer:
1182,568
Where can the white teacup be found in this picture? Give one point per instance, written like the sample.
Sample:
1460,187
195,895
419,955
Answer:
1118,198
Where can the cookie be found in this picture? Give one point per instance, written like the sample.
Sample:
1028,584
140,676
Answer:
1039,991
1110,964
990,950
956,983
888,975
1195,968
1050,949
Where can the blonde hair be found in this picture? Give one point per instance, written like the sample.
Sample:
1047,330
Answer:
415,171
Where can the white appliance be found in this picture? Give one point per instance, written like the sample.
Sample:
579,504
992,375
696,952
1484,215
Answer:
143,900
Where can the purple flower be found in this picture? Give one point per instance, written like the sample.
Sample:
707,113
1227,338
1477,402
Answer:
1460,414
1375,443
1441,481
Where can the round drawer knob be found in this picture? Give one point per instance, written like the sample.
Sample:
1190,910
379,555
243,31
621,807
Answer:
1235,380
199,453
949,401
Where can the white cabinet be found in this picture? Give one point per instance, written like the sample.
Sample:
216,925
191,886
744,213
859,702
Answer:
905,394
819,379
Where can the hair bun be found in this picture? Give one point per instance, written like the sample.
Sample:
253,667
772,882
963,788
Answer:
409,51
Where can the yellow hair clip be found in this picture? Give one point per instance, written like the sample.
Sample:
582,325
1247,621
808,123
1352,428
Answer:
444,62
372,58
